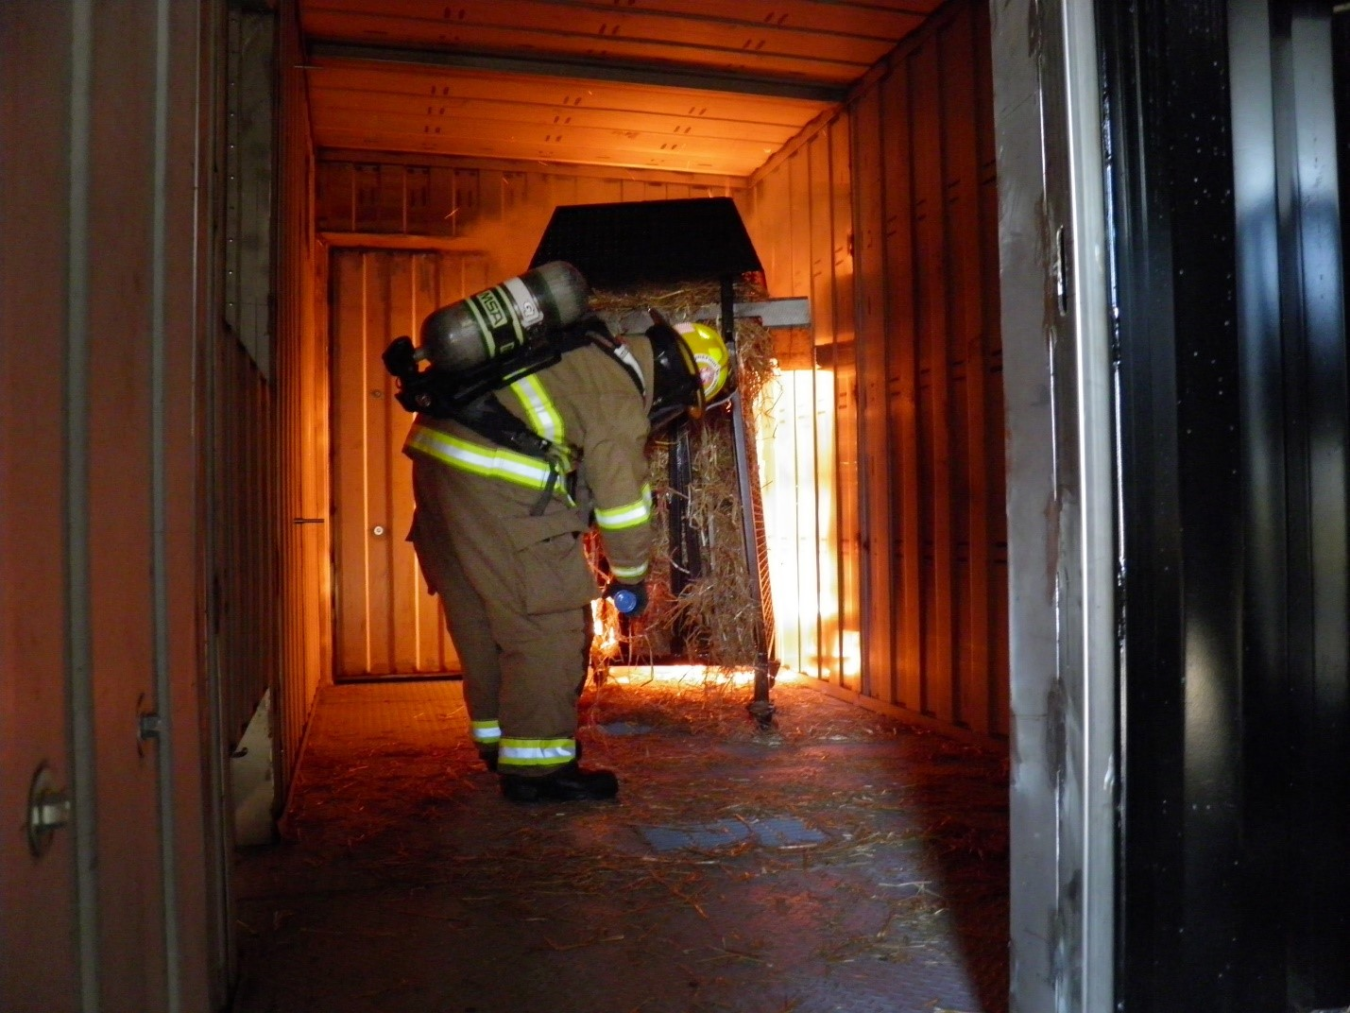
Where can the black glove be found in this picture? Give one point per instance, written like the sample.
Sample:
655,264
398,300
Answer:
629,599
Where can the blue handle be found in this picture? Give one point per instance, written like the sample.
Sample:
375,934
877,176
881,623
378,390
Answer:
624,600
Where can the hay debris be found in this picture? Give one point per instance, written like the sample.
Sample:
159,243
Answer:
915,829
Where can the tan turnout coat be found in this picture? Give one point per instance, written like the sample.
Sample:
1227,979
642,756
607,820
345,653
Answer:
508,561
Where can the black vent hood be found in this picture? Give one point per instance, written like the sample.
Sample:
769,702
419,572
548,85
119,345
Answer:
617,246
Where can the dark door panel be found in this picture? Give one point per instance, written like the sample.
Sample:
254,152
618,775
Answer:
1229,280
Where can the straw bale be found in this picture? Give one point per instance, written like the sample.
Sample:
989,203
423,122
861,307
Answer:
718,617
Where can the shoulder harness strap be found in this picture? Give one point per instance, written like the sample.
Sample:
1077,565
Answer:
615,348
489,418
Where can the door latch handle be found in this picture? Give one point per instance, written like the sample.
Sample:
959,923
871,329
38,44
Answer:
49,809
149,725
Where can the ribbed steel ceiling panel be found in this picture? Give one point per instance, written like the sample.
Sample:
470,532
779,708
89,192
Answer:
685,85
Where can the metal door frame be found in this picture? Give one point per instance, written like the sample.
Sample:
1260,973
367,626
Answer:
1234,434
1135,851
114,826
1058,387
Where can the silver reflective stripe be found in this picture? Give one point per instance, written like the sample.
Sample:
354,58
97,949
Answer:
536,752
624,353
486,731
526,304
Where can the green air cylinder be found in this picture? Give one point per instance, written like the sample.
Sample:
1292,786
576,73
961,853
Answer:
496,322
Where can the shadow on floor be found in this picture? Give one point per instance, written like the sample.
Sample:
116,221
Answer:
842,861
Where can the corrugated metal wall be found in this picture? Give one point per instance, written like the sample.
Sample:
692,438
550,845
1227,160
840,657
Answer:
798,213
300,507
934,429
243,457
474,224
268,425
242,465
102,217
897,569
499,209
930,538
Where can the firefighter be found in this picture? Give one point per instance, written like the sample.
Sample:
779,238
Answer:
498,533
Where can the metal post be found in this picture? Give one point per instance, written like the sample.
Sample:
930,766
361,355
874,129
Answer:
760,707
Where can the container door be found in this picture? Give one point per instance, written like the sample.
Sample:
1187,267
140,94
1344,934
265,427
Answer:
37,861
37,887
387,623
101,902
1235,504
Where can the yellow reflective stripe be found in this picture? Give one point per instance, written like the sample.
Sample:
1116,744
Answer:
619,518
486,731
491,462
536,752
631,515
629,574
542,415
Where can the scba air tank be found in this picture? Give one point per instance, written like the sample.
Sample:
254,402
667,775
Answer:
499,320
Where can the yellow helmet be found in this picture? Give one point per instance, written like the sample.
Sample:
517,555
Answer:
710,355
690,367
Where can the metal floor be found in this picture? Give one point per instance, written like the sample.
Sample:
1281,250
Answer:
842,862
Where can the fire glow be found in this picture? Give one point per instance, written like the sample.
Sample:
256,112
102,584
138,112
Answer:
796,444
706,676
796,447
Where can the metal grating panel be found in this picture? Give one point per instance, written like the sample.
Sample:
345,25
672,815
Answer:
779,832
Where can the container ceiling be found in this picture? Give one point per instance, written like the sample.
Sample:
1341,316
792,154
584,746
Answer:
703,86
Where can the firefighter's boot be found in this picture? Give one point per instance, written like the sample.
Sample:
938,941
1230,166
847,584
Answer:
567,784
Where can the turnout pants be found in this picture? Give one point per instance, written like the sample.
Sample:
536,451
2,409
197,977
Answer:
517,592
